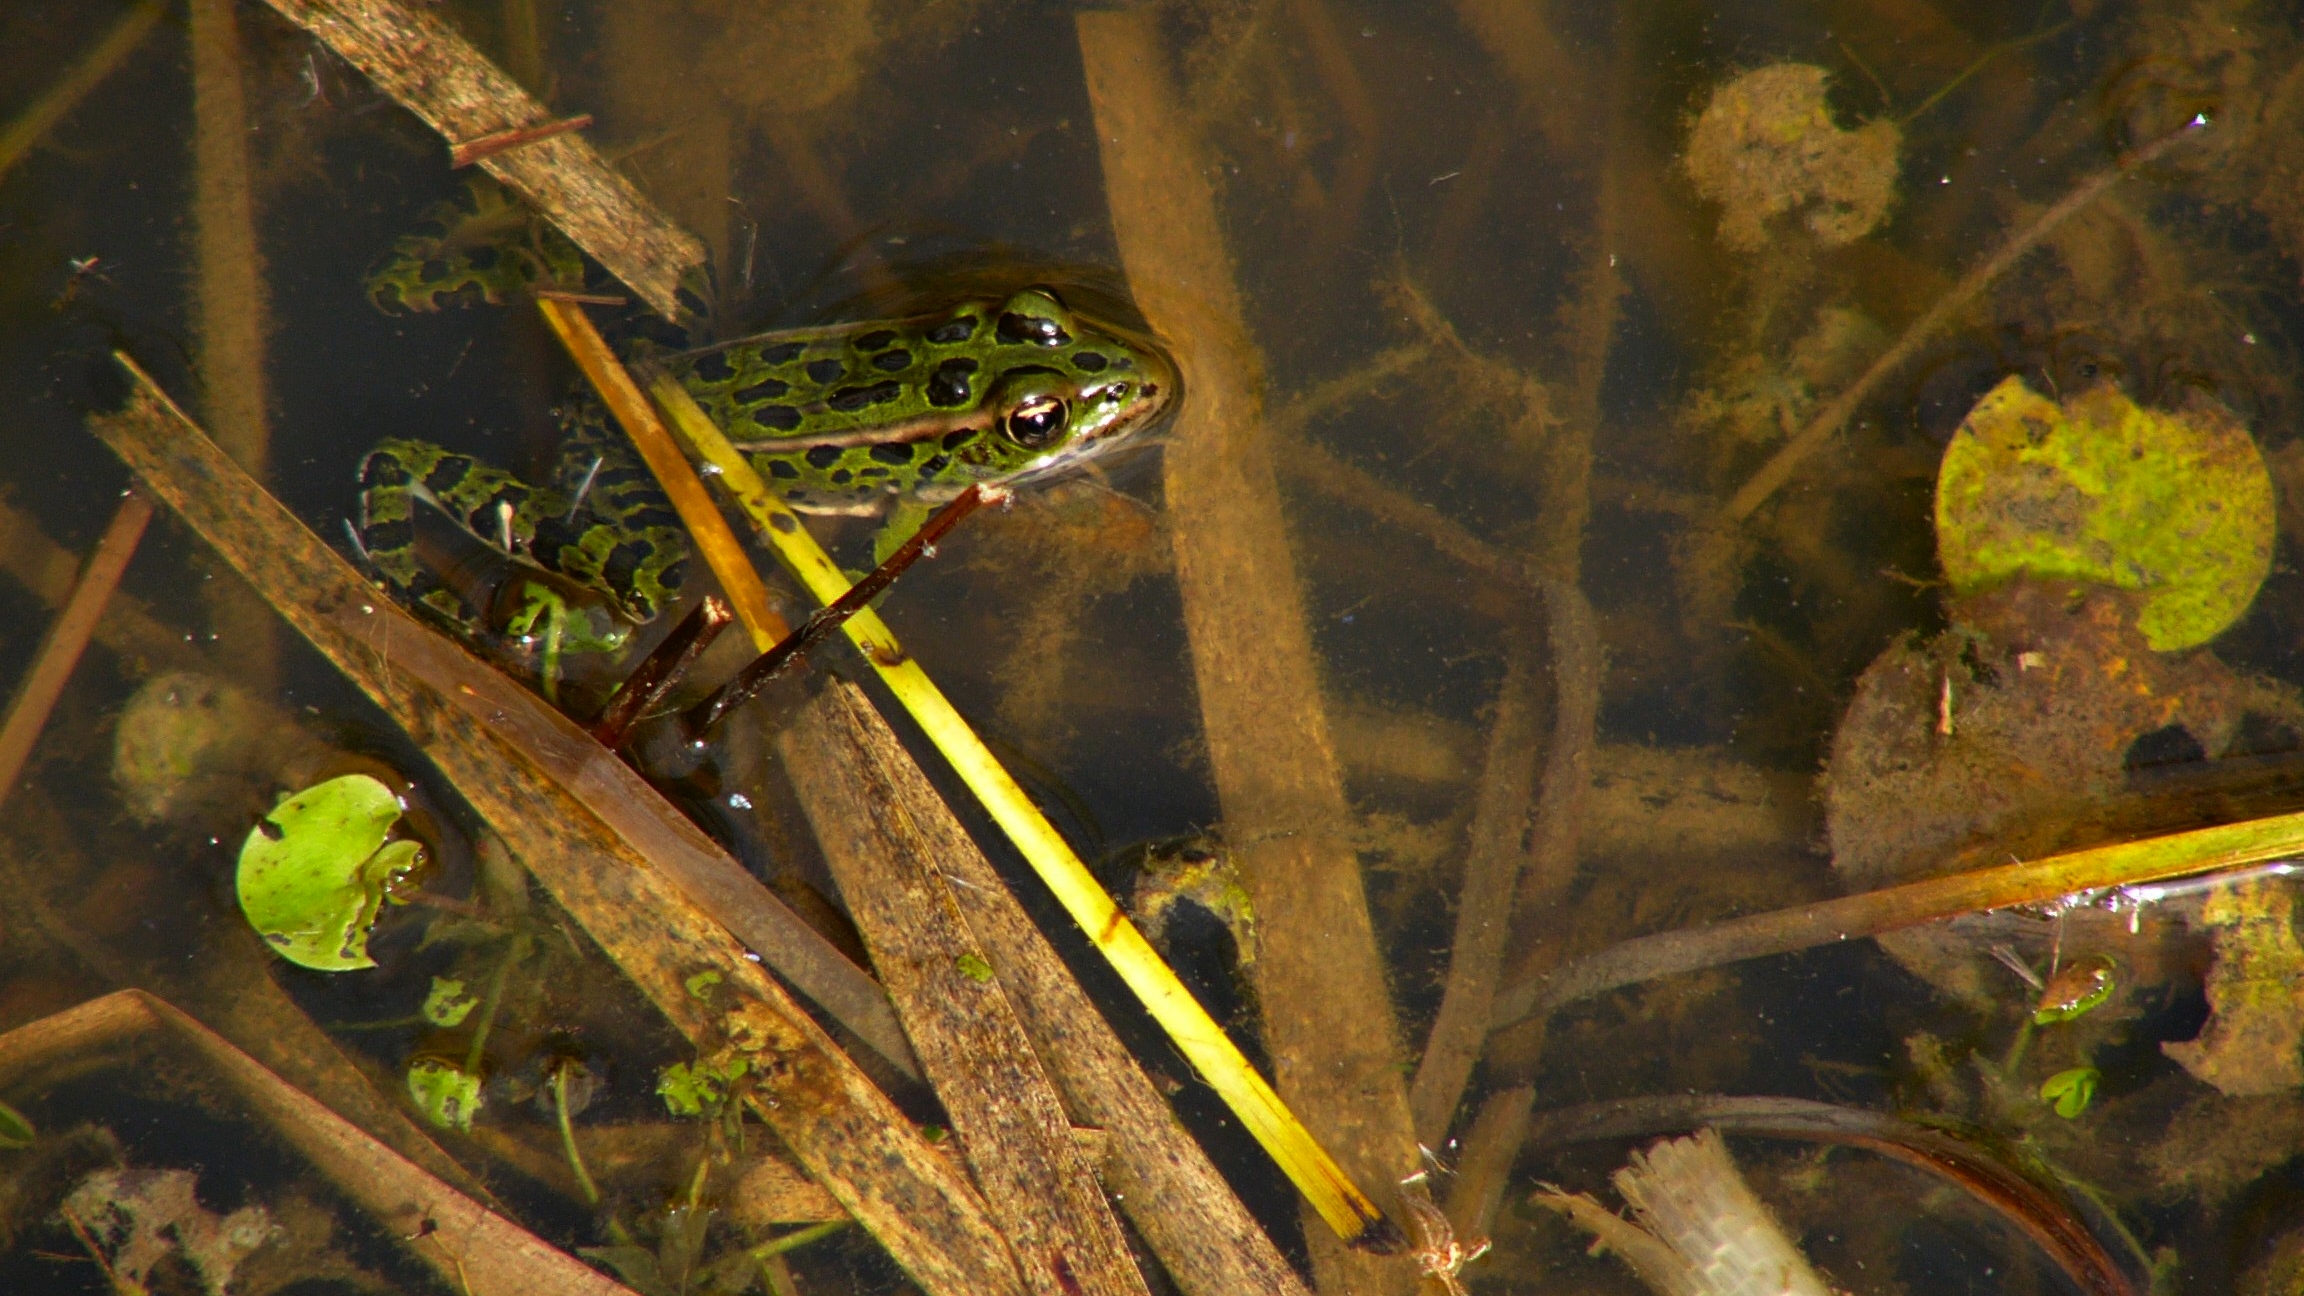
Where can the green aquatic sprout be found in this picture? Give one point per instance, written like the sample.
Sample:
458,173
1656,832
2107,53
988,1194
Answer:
448,1005
688,1089
15,1129
2100,491
447,1094
315,872
2071,1091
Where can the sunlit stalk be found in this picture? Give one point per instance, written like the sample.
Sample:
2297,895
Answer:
1202,1042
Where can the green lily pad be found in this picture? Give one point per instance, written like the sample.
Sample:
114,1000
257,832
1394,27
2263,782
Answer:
313,873
448,1095
2101,491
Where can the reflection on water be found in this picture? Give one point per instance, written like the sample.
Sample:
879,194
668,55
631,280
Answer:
1607,359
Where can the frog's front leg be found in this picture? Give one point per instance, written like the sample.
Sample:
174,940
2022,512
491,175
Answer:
904,520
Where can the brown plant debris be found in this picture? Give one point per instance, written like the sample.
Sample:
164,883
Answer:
1766,146
134,1219
2255,993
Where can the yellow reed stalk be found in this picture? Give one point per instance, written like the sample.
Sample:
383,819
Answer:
1202,1042
723,553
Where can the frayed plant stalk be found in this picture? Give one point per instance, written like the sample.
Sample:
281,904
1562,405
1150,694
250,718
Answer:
1697,1229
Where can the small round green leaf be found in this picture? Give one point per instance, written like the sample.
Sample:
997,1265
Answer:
2101,491
2071,1091
313,873
447,1005
448,1095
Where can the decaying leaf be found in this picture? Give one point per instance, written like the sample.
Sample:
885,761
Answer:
2255,994
1766,145
2101,491
139,1217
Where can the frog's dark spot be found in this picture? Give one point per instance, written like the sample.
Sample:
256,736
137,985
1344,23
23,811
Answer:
446,474
714,368
876,339
892,361
948,386
624,561
959,437
783,353
783,468
432,270
271,830
935,465
824,456
848,400
874,471
779,418
481,258
841,477
783,522
957,330
652,516
825,371
1037,330
674,575
1123,363
1090,362
769,389
893,452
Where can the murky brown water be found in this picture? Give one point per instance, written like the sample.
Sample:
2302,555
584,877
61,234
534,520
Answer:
1538,294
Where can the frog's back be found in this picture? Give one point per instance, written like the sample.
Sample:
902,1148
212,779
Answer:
849,418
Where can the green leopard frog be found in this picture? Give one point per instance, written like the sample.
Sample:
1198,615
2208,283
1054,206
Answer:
883,417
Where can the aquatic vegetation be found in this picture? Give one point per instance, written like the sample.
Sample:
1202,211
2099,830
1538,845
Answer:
315,872
2100,491
1766,146
2251,1044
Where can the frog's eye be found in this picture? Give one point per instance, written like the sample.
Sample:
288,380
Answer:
1035,422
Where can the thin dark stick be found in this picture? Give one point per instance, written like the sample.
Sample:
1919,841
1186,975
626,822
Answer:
661,671
1829,420
699,720
68,638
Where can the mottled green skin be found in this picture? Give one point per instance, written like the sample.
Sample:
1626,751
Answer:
849,419
852,418
480,245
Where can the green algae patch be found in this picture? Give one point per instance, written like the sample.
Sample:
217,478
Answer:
2099,491
313,873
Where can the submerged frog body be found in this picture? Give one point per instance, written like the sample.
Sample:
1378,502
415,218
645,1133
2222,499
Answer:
855,419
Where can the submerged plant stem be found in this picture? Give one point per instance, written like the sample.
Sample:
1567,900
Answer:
68,638
568,1136
1783,931
1829,420
86,72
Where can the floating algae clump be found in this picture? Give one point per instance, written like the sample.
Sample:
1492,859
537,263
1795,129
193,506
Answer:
1766,145
2177,506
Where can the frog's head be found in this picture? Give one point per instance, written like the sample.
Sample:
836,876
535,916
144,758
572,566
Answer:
1062,388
